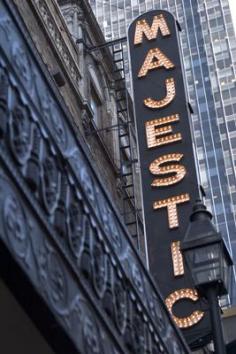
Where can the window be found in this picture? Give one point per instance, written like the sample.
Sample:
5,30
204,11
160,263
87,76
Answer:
95,106
229,110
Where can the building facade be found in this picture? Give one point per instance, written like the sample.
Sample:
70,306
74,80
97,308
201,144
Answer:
65,253
209,56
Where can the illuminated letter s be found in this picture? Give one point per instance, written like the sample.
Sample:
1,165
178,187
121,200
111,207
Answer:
177,171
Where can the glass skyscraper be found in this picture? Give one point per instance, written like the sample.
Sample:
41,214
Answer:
209,54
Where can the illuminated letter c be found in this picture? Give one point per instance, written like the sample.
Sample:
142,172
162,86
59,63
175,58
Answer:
189,321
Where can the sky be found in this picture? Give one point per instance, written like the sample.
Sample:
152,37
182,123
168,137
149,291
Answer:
232,4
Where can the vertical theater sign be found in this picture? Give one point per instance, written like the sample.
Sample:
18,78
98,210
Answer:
169,180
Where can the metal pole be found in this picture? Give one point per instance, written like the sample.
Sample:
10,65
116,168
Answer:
218,338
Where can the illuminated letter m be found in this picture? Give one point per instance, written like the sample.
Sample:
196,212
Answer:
158,23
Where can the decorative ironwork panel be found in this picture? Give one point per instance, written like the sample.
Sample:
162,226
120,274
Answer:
57,220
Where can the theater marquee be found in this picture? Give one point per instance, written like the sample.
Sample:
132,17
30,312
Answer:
169,181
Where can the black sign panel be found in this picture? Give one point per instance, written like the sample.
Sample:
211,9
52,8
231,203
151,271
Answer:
169,180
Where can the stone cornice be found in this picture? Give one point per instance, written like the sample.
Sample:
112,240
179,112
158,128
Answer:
63,45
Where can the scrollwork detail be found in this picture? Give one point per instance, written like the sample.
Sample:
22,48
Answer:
50,183
22,64
53,117
120,305
33,164
87,183
6,27
58,288
20,132
91,336
86,258
4,111
75,221
157,314
99,267
138,334
16,226
137,278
